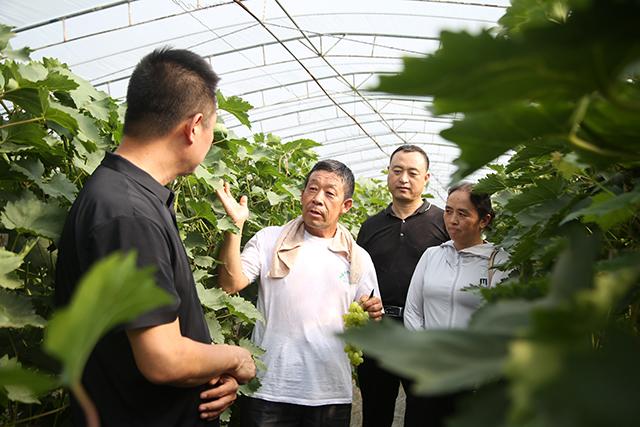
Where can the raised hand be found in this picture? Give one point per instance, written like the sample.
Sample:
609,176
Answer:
237,210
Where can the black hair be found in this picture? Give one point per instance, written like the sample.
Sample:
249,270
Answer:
167,86
481,201
409,148
337,168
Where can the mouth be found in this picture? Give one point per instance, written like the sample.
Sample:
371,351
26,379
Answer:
315,213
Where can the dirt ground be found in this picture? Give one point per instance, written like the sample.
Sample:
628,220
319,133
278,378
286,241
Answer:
356,409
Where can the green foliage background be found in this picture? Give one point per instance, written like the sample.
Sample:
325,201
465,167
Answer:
557,85
54,130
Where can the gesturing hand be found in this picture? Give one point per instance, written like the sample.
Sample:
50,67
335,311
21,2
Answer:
238,211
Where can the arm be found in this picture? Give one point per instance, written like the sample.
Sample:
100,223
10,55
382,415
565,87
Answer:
414,305
369,286
164,356
231,277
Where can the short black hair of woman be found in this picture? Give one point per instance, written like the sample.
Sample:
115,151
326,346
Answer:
480,201
337,168
167,86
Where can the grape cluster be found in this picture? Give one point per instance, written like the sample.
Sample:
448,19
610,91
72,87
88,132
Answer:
354,318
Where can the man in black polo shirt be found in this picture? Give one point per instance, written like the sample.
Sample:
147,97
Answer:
160,369
396,238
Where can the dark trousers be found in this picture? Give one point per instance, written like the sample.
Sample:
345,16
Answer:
262,413
379,390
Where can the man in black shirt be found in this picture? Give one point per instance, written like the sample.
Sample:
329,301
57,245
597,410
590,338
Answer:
160,369
396,239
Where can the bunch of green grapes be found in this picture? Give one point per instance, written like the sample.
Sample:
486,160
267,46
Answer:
354,318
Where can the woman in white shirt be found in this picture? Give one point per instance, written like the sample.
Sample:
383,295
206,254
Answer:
436,299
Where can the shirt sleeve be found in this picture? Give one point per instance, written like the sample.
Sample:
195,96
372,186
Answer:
414,305
251,257
369,279
153,249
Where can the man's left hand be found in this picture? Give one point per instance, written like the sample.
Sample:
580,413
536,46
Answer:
219,397
373,306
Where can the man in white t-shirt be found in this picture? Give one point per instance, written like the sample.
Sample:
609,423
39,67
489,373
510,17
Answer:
309,272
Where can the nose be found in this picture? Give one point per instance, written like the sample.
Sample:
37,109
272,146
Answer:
317,198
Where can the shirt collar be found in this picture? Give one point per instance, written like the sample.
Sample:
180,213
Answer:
124,166
422,209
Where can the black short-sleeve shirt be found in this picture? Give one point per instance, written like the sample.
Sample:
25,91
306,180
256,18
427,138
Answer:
396,245
121,207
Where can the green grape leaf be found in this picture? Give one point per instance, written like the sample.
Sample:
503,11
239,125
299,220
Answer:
27,135
9,262
213,181
21,383
16,311
100,109
215,329
573,271
256,351
58,116
438,360
226,224
276,199
607,210
112,292
212,298
236,106
300,144
31,168
84,93
59,186
87,129
483,136
31,215
5,35
203,261
85,160
242,308
503,317
202,209
22,54
33,71
491,184
544,190
34,101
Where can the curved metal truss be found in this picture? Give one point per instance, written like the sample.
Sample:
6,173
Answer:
306,66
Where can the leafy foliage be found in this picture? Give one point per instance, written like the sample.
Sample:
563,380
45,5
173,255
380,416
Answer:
558,87
54,130
107,284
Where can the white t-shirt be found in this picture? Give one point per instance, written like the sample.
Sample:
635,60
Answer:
306,363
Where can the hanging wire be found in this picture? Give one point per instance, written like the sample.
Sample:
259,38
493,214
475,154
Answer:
239,3
353,88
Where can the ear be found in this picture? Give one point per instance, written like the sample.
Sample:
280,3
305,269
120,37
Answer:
484,222
192,126
346,205
427,176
